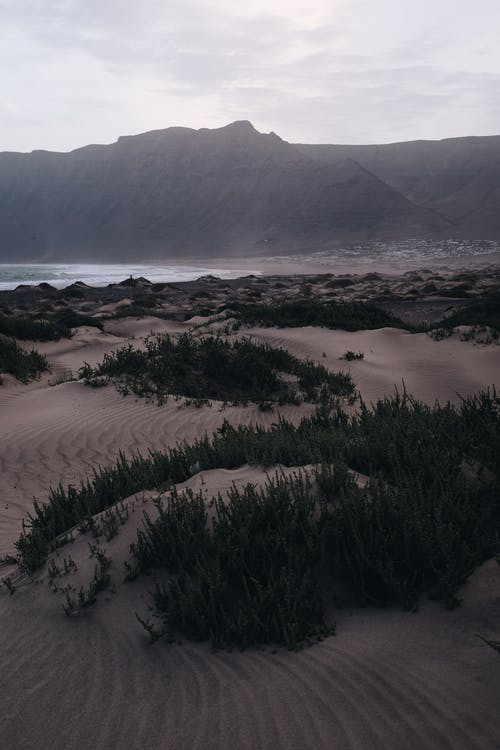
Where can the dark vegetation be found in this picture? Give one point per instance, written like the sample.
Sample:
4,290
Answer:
211,367
263,566
67,319
22,364
30,329
484,312
495,645
248,576
86,597
52,328
350,356
349,316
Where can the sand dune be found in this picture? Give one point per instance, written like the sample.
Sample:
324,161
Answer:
429,369
388,681
127,327
59,434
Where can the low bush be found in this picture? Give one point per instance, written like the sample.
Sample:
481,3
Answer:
428,516
483,312
262,568
215,368
350,356
349,316
29,329
22,364
248,579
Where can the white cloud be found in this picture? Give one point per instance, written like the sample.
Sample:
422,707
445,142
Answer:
78,71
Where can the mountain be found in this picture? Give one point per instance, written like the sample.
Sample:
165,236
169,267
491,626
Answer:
458,178
196,193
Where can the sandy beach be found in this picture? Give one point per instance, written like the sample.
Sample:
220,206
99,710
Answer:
387,680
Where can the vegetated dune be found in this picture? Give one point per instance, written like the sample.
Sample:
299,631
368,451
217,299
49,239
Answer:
143,326
51,435
429,370
388,679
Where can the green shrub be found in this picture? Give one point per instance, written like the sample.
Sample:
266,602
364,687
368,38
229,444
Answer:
263,564
483,312
249,578
211,367
350,356
22,364
349,316
32,329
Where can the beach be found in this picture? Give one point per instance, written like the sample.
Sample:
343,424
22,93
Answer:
388,678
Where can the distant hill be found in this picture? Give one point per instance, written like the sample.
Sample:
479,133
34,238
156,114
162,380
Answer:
181,192
459,178
234,191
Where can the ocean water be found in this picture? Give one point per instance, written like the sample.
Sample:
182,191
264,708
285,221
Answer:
405,251
62,275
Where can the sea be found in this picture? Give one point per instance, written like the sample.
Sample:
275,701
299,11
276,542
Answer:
61,275
416,251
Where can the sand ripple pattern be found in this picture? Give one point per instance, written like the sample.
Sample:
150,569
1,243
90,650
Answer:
386,682
59,434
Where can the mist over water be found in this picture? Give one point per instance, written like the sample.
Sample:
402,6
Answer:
406,251
62,274
410,251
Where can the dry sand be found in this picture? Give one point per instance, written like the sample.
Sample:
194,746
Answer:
428,369
388,680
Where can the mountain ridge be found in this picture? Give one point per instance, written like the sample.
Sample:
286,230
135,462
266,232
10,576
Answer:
180,192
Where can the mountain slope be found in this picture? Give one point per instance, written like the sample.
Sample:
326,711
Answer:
181,192
457,177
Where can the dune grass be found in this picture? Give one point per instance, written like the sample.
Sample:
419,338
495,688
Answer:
55,326
263,565
30,329
482,312
349,316
246,578
23,364
211,367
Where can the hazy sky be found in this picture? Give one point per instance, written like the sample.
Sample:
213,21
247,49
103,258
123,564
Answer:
338,71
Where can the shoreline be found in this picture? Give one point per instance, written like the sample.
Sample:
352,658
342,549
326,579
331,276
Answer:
233,267
388,679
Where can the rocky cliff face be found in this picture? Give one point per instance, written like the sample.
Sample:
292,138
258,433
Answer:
183,193
458,178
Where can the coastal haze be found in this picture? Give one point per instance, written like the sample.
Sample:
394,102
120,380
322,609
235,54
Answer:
180,193
98,274
250,375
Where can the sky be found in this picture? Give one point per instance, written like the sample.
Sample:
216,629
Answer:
74,72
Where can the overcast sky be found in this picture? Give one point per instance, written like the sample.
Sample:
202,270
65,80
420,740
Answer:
74,72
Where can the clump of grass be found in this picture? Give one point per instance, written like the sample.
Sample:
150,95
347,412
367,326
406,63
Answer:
482,313
55,571
419,527
349,316
262,567
397,432
100,581
32,329
440,333
350,356
481,335
25,365
65,320
213,367
248,579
